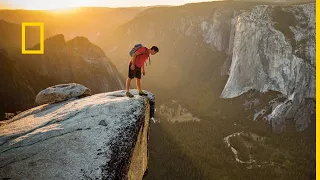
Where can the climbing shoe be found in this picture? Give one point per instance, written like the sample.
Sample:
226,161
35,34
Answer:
141,93
128,94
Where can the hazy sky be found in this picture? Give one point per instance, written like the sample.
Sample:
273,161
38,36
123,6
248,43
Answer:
53,4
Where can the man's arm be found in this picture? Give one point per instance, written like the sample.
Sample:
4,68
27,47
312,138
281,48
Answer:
134,60
143,70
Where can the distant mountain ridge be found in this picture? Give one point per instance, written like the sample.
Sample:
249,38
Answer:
90,22
11,35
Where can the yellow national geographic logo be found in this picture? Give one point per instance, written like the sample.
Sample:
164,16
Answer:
39,24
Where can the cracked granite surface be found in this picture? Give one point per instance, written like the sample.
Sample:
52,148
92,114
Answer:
67,140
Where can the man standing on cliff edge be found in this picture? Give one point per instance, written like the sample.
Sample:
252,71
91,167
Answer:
140,55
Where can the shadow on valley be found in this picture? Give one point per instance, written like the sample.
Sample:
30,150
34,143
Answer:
168,159
197,150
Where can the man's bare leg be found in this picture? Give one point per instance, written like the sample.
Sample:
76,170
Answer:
127,87
138,83
128,84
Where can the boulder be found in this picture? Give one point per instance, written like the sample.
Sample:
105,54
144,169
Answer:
61,92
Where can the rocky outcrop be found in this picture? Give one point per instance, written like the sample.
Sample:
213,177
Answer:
61,92
265,58
174,112
103,136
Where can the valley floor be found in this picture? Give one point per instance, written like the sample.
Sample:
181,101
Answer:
198,150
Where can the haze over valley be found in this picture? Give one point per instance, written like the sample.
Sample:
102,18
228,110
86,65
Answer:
234,81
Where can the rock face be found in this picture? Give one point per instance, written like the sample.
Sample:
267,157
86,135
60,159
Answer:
16,92
264,59
77,60
61,92
103,136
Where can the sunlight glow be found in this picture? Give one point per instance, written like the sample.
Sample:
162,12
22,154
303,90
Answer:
64,5
63,10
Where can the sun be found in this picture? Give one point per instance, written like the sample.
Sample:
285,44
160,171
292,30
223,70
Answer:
54,6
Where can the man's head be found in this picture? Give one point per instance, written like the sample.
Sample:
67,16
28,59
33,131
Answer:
154,50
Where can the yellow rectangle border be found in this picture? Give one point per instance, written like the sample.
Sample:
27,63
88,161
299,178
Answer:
317,92
37,24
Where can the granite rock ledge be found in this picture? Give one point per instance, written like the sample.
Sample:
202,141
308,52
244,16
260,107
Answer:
103,136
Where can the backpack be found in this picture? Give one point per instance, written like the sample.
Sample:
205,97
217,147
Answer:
135,48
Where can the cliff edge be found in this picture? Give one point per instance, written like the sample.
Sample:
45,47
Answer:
103,136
